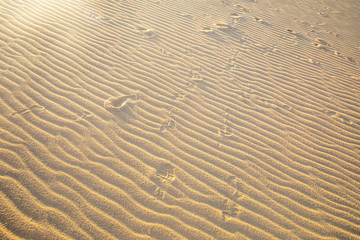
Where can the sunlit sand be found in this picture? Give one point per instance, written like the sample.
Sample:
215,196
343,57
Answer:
179,119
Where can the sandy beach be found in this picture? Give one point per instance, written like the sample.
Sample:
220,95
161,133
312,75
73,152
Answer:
179,119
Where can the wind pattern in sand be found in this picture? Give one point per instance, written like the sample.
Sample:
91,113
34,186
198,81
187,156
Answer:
179,119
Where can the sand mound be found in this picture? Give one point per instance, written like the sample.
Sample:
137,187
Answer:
179,119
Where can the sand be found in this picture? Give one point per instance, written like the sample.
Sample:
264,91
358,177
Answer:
179,119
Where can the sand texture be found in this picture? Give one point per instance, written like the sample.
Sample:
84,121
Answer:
179,119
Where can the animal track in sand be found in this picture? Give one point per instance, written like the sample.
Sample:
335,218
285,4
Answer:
226,132
168,124
83,115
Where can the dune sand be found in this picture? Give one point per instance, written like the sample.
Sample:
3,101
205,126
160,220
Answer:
179,119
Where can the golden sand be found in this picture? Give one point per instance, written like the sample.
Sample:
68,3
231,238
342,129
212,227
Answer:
179,119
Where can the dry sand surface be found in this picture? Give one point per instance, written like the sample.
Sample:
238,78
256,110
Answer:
179,119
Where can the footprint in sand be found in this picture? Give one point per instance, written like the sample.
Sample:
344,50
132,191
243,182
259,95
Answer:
223,26
350,59
312,61
339,117
147,32
230,210
119,103
237,183
160,193
166,172
166,175
235,15
321,44
207,30
331,113
262,21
